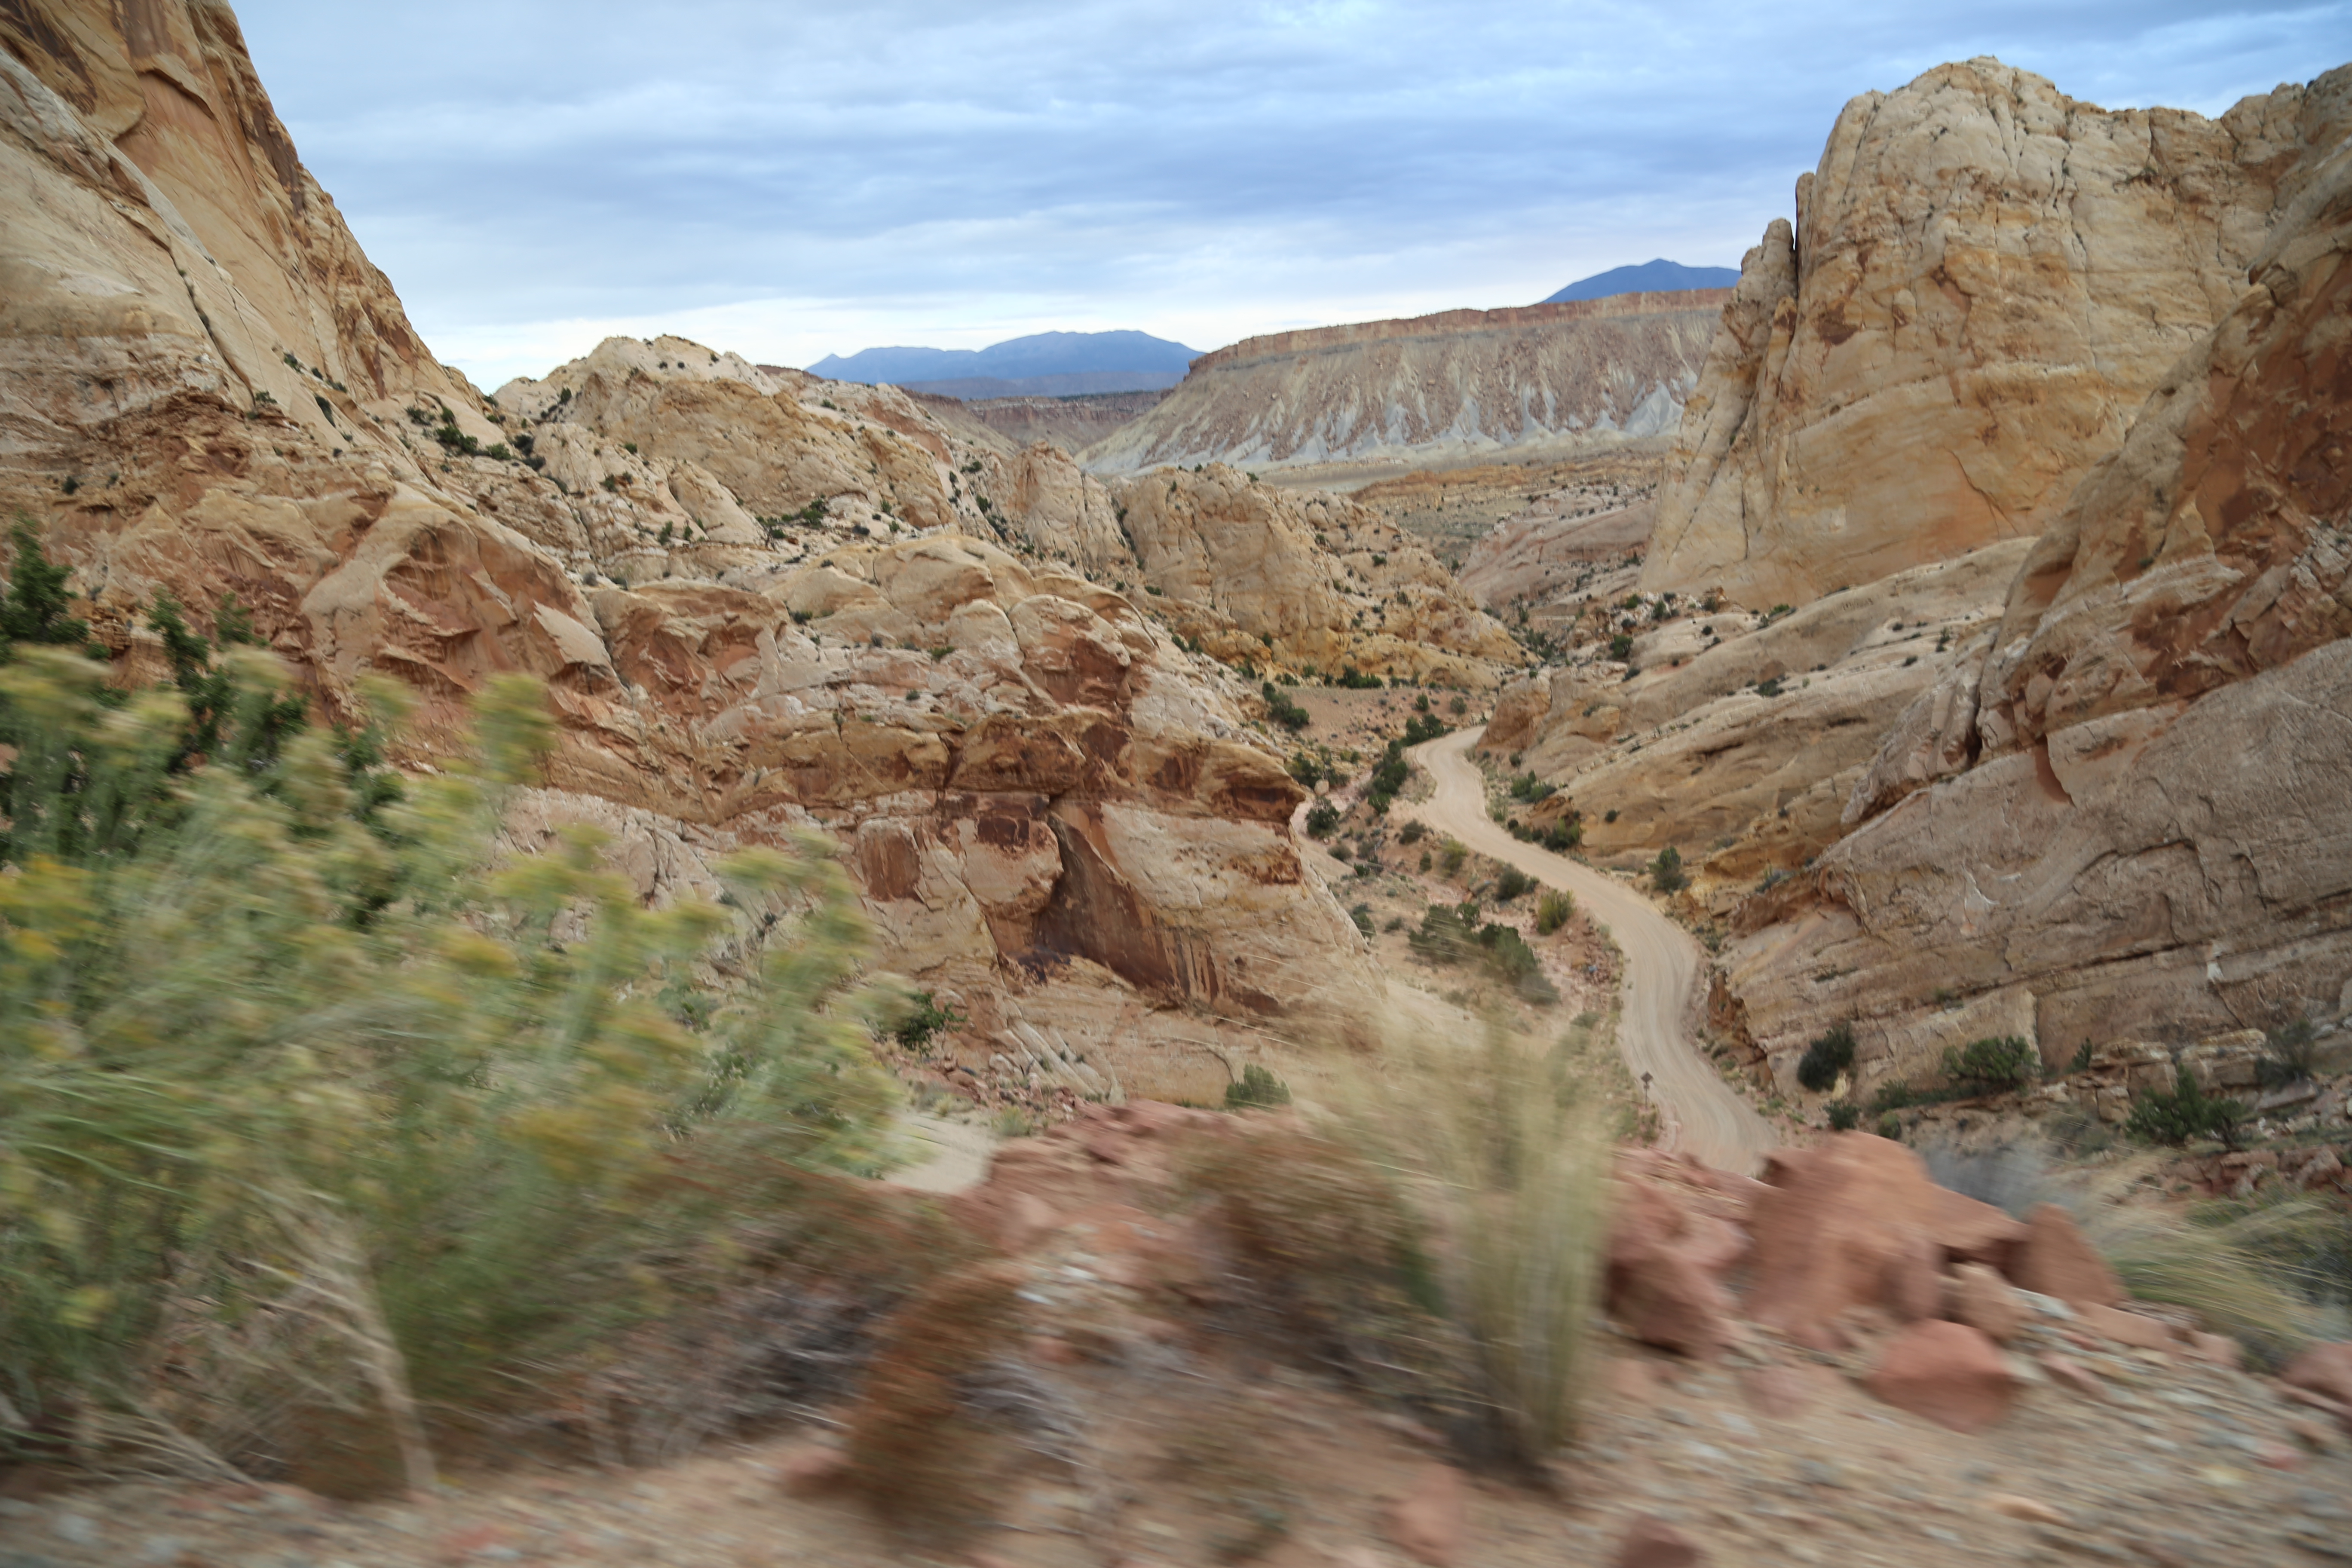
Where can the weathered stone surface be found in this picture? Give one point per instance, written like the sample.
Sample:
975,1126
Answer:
1561,377
1984,280
1664,1268
2325,1369
1979,1297
1855,1222
1946,1372
2056,1260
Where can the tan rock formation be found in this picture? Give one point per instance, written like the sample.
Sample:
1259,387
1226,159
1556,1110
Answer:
1555,378
1691,752
1985,279
1059,820
2133,824
1308,579
1527,558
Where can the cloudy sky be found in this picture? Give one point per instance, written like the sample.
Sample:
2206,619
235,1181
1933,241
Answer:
788,179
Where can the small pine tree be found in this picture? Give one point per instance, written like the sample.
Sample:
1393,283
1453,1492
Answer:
35,609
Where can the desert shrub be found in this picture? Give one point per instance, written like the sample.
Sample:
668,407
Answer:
1511,884
2289,1054
1553,910
1257,1090
1459,707
342,1113
1452,855
1362,913
1280,710
1890,1127
2185,1114
1621,646
1451,934
921,1449
1844,1115
1321,818
1528,787
1354,680
1827,1058
35,609
1410,833
1666,874
2271,1275
1499,1147
2005,1062
923,1018
1304,768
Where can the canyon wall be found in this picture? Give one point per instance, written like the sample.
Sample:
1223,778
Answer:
1984,279
761,604
1552,378
2125,809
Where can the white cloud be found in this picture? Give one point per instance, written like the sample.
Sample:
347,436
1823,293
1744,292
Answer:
787,180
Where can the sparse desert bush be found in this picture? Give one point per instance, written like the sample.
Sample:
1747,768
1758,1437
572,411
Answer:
2261,1274
2004,1062
1452,854
1844,1115
1553,910
1410,832
1321,818
295,1079
1828,1058
1666,873
1257,1090
1511,884
2184,1115
2289,1054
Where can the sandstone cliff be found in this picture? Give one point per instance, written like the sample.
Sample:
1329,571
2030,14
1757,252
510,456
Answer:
1984,280
1547,377
760,603
2124,810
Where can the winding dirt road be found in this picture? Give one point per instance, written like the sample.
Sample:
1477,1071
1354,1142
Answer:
1703,1117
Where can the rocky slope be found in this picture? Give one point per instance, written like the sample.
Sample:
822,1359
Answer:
1072,423
1984,279
762,603
2123,811
1552,378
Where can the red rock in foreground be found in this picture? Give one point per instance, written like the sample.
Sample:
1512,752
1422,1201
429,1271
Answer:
2056,1260
1946,1372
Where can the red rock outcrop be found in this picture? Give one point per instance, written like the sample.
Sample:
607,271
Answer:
1855,1222
1984,280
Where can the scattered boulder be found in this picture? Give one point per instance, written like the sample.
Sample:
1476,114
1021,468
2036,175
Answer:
1431,1523
1856,1221
2056,1260
1663,1261
1652,1542
1946,1372
2130,1329
2325,1369
1980,1298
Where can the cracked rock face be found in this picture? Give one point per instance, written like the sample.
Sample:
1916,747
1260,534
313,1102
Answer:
2127,811
1984,282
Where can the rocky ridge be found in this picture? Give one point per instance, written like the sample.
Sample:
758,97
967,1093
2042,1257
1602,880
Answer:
1549,378
1984,280
760,603
2119,814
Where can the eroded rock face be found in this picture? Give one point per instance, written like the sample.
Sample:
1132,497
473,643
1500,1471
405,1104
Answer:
1303,579
1573,376
2129,821
756,614
1984,282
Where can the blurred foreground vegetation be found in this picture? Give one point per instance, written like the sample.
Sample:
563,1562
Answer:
308,1103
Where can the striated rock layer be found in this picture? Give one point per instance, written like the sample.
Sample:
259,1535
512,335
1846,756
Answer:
762,602
1585,375
1984,280
2128,811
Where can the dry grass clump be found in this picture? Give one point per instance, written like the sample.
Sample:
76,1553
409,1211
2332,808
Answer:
921,1452
1436,1240
2272,1275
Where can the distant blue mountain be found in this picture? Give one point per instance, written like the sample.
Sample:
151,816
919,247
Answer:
1652,276
1091,354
